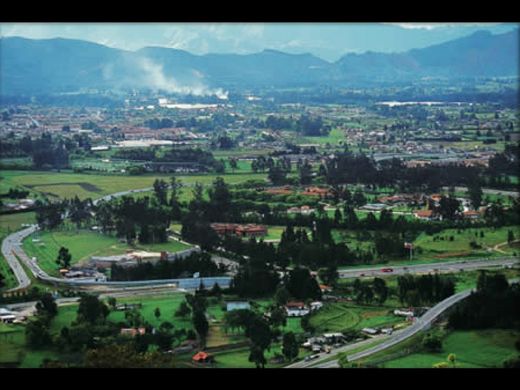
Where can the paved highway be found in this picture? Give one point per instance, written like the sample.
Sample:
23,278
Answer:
7,251
451,266
422,323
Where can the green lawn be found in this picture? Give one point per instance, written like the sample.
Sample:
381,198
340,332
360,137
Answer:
339,317
460,245
68,185
83,244
473,349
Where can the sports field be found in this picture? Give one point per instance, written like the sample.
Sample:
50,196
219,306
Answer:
83,244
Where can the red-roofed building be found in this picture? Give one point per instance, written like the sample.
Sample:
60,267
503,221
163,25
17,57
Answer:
132,332
249,230
202,357
470,214
316,191
424,214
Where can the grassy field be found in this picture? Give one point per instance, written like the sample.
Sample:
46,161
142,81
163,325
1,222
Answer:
473,349
339,317
68,185
10,223
83,244
439,245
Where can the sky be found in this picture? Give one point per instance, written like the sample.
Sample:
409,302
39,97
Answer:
329,41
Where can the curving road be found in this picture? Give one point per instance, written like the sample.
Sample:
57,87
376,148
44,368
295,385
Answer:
422,323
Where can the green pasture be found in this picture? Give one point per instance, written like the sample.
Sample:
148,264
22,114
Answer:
83,244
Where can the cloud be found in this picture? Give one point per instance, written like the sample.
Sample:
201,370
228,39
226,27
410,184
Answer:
433,26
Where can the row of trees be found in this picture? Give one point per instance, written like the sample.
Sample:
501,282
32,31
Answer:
180,268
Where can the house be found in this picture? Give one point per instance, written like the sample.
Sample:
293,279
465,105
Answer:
230,306
296,309
202,357
404,313
426,215
7,318
316,191
471,214
316,305
325,289
305,210
370,331
374,207
132,332
249,230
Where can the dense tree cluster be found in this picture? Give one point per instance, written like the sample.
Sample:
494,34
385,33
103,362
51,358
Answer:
495,304
425,289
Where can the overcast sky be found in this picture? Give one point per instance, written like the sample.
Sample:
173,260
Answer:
326,40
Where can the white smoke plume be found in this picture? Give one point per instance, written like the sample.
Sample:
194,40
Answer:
154,78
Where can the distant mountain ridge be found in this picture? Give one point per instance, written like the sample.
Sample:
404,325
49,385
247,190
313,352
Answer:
63,65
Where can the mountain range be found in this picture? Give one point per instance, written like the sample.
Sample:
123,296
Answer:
64,65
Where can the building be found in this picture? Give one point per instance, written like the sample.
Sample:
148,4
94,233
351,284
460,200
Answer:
316,191
249,230
296,309
404,313
370,331
230,306
132,332
305,210
426,215
202,357
374,207
470,214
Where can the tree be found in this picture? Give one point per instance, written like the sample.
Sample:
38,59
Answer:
91,309
37,334
200,323
278,317
183,310
475,194
510,237
124,356
290,346
380,289
112,302
160,189
256,355
157,313
281,296
452,359
448,207
432,343
302,285
329,275
64,257
47,306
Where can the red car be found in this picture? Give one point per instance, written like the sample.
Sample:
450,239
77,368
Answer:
387,270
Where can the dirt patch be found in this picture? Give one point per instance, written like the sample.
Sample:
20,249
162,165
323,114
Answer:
84,185
453,254
370,314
